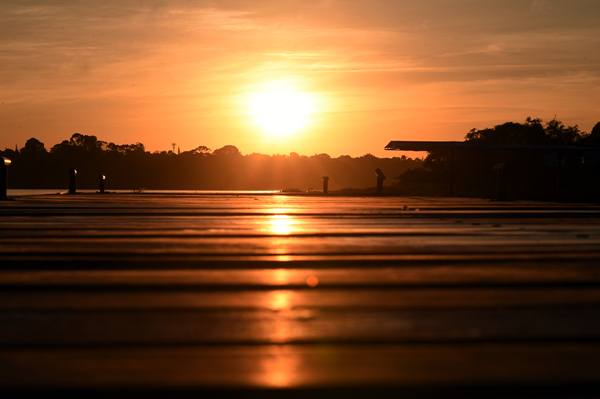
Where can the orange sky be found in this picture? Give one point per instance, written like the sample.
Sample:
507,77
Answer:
176,71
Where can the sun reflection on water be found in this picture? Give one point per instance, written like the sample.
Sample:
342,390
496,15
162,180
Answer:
280,368
282,224
279,276
279,300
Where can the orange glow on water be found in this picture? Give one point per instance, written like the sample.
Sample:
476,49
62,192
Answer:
280,300
283,224
279,276
280,369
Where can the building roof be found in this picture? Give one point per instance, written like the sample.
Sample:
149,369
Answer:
400,145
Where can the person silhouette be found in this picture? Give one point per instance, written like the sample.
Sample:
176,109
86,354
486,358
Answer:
380,179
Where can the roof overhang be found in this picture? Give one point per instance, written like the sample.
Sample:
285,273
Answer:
398,145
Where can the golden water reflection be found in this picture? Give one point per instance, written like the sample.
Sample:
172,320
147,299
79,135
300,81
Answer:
283,224
281,329
281,368
280,300
280,226
279,276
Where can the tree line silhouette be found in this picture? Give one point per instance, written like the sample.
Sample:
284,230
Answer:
130,166
555,162
567,167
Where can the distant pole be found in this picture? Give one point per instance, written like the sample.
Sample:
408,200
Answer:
72,181
101,181
325,184
380,179
4,162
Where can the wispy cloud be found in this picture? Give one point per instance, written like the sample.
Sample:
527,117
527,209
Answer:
178,59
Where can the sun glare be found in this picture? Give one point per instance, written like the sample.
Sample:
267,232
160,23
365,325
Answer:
280,109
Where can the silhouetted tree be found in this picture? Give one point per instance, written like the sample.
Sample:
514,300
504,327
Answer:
228,150
594,137
200,150
596,130
531,132
558,133
129,166
33,148
526,173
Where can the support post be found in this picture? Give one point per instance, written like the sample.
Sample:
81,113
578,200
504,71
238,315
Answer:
325,184
72,181
101,183
4,163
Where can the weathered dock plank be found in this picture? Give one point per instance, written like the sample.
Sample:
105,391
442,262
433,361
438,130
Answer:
255,292
433,367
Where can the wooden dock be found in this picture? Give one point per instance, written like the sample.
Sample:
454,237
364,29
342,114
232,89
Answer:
298,296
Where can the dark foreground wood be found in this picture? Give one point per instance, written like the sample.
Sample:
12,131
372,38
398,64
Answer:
292,296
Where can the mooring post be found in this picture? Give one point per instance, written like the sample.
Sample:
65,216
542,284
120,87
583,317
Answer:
72,181
325,184
101,181
4,163
380,179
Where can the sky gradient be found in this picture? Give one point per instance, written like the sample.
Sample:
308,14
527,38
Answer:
167,72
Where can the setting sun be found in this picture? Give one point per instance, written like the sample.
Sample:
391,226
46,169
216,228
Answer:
279,108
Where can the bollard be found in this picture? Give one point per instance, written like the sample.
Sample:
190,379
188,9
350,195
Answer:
4,163
325,184
380,179
101,181
72,181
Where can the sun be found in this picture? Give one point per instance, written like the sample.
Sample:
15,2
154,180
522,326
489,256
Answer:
280,109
